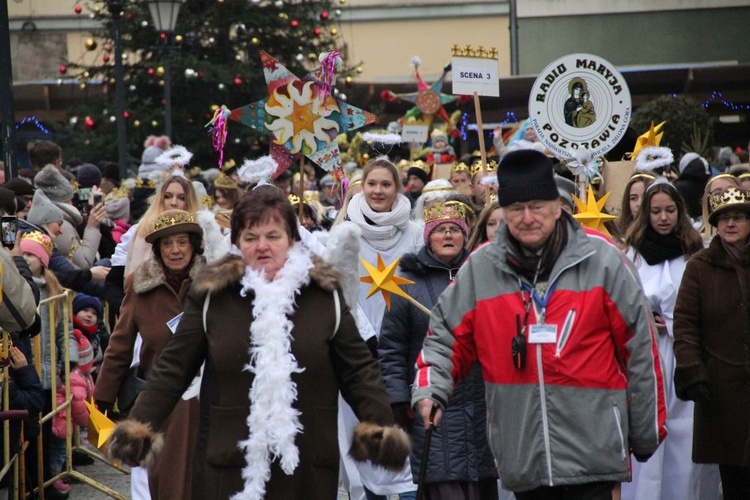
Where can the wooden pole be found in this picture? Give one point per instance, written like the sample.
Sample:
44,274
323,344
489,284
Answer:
301,188
582,188
418,305
482,148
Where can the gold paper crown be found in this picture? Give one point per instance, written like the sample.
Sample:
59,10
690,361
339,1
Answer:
468,51
460,167
41,239
228,165
194,172
121,192
477,167
145,183
730,196
469,211
420,164
223,181
165,221
440,211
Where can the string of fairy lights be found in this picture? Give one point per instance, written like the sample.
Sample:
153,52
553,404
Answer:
510,117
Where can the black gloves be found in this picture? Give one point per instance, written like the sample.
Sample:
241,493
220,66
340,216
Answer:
403,415
700,392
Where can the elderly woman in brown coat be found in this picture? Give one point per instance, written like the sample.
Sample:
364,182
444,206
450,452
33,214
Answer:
154,296
278,344
712,343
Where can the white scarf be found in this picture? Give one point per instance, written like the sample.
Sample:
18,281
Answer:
273,422
388,225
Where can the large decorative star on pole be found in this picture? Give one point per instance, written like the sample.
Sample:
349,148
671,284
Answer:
384,280
428,100
301,115
590,213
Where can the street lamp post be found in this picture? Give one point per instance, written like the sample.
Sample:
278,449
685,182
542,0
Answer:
7,116
164,14
115,8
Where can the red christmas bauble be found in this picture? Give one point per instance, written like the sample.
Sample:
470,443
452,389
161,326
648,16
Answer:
108,47
317,31
105,58
125,115
150,71
324,15
78,9
294,23
63,70
89,122
238,81
162,36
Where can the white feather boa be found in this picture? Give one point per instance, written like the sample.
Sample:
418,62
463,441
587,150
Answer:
273,422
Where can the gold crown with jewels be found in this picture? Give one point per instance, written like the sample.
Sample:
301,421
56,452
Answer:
727,198
447,210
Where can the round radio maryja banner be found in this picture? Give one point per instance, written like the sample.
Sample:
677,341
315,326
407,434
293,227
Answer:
580,101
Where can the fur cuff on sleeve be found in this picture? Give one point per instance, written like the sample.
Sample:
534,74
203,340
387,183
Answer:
388,447
134,442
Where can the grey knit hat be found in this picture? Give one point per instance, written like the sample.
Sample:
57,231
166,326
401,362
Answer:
148,161
118,208
42,210
54,184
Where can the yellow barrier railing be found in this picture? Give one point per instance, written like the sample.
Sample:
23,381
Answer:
72,439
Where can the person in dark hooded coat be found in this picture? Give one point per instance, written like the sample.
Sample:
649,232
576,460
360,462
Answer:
694,174
460,464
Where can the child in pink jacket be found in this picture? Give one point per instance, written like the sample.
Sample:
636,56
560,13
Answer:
81,389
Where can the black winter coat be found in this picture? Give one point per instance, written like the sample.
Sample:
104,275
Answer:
458,450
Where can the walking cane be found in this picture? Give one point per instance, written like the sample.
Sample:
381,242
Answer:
426,454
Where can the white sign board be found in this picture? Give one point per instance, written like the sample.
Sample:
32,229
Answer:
414,133
473,74
580,101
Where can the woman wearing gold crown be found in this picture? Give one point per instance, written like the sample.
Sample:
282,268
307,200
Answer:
154,297
226,192
711,339
175,193
460,462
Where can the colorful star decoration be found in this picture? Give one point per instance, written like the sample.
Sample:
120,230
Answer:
428,100
590,213
302,116
384,280
648,139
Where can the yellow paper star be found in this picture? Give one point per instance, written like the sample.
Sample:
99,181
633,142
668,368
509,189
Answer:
384,280
590,213
648,139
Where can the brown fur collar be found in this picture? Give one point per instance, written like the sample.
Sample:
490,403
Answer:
716,255
150,274
229,270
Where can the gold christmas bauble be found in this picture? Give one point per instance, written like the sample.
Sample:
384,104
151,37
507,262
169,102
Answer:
160,70
137,123
254,41
90,44
178,38
334,31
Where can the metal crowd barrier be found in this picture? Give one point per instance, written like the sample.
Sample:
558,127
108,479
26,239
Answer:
72,437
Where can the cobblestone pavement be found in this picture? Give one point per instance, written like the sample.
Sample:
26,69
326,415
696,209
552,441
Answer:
104,474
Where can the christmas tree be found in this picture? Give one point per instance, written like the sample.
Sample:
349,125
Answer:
214,60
